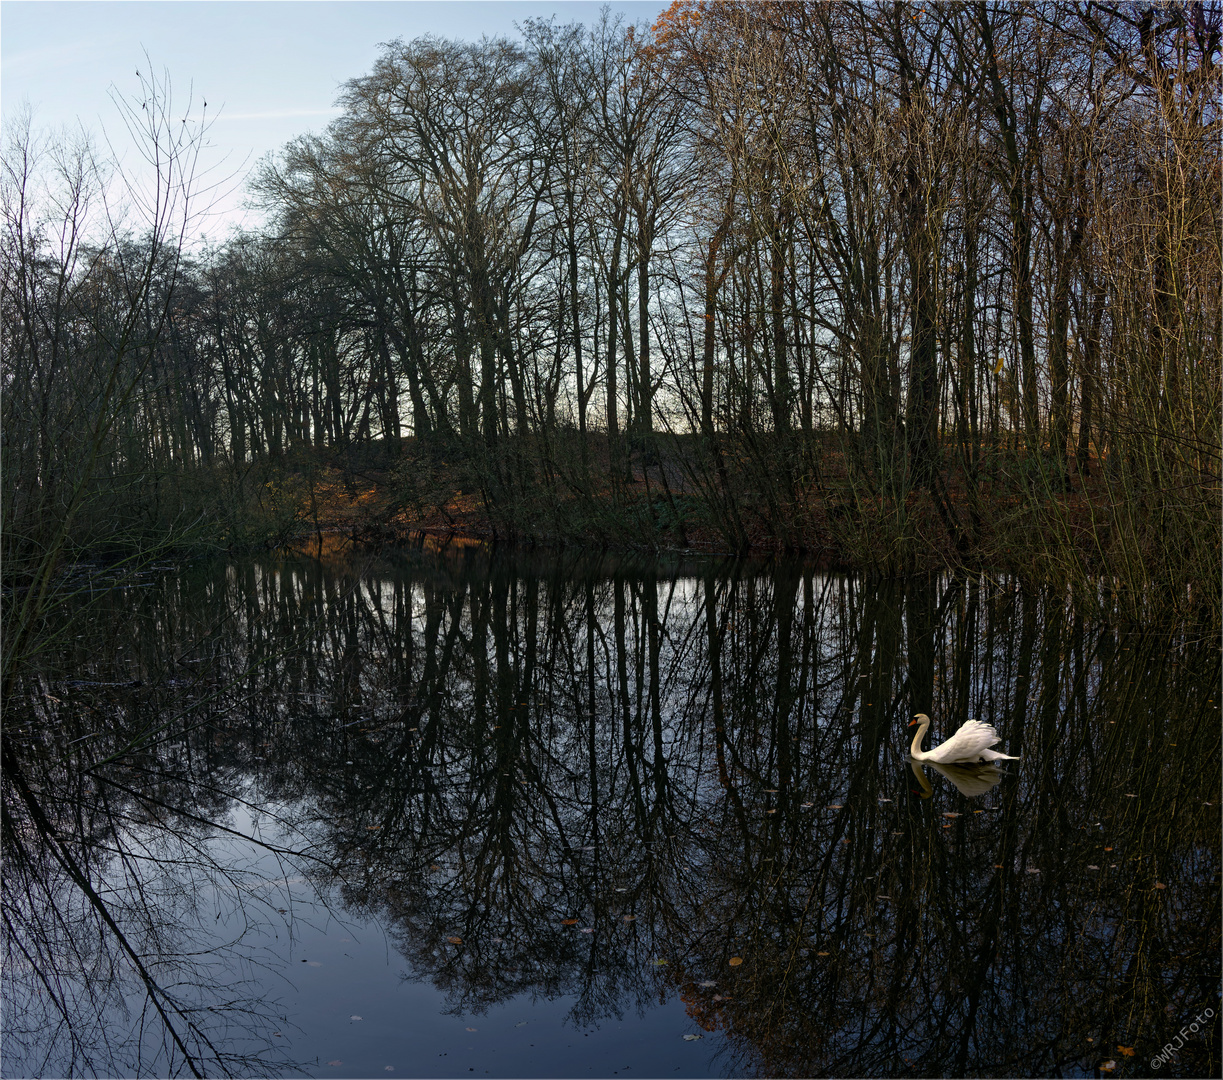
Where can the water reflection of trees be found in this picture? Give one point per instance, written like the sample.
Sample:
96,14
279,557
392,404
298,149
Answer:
709,764
135,914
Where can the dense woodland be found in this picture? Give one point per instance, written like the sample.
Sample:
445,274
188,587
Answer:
905,285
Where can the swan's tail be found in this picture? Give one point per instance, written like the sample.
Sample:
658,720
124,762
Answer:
994,755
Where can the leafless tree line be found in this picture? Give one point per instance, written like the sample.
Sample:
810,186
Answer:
850,252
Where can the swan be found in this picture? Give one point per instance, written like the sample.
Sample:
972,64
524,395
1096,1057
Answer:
970,743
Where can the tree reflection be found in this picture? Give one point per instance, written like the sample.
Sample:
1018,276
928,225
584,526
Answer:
134,912
606,779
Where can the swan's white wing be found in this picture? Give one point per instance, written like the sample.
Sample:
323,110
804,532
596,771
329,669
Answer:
966,744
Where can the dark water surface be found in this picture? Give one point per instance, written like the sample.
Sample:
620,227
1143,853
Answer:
465,812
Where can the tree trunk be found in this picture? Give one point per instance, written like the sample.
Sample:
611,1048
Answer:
645,411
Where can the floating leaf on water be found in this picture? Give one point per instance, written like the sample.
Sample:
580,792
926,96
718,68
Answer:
588,929
735,961
1031,871
997,866
770,811
455,940
473,1029
691,1038
569,922
807,804
621,889
708,983
1092,866
1106,1066
770,791
336,1062
951,815
521,1023
278,1034
1160,885
629,918
1108,849
837,806
1128,1051
354,1017
371,828
821,954
388,1068
659,963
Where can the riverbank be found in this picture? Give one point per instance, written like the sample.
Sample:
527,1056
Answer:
986,508
1006,513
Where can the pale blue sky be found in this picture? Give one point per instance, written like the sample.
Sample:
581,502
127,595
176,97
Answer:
269,69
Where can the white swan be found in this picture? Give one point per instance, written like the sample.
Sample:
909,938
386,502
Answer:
971,743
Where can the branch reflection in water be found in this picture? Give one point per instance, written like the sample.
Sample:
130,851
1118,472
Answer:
601,780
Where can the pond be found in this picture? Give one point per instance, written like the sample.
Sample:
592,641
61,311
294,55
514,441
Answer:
460,811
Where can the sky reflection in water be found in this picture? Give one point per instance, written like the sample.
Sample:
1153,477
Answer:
621,801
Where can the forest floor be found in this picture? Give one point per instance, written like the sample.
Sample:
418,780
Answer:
1000,520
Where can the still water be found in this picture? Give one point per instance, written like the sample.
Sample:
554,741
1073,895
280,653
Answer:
465,812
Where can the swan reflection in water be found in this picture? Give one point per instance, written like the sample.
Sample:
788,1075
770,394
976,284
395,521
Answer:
972,778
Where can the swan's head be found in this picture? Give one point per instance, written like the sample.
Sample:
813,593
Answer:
920,718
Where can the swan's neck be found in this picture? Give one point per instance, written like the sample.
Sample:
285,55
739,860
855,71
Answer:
915,751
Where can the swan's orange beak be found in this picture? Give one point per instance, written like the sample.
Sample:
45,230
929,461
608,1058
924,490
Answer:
912,722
